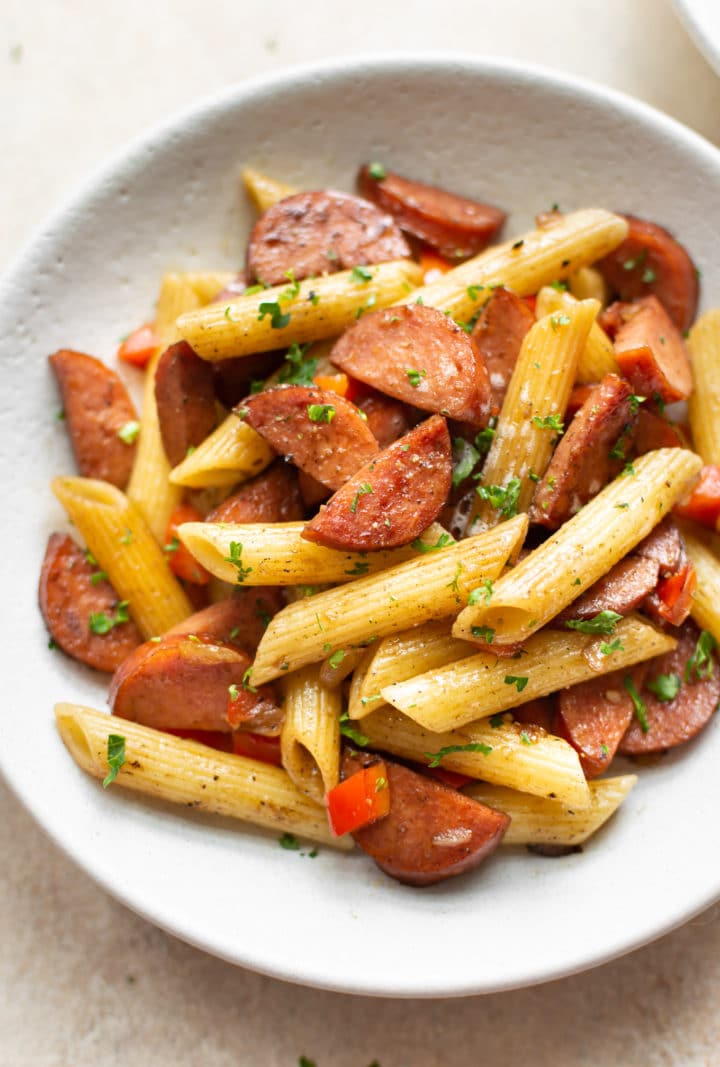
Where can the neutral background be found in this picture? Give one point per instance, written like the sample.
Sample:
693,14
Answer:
85,982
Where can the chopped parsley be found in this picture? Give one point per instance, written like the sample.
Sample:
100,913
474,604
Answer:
700,663
361,275
484,633
233,692
235,558
363,490
278,318
293,288
246,683
422,546
556,321
504,498
115,757
349,731
627,471
128,433
101,623
638,703
602,623
549,422
474,290
525,738
665,687
519,681
321,412
485,438
297,370
484,592
614,646
172,546
336,659
649,276
518,244
98,576
415,376
474,746
377,171
359,568
635,402
465,456
289,841
370,699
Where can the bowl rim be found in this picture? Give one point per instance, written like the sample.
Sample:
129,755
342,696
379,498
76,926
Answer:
128,155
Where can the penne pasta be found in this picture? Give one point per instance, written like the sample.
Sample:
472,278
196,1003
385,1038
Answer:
263,190
299,311
522,758
337,668
428,587
583,549
276,554
588,284
538,392
539,821
232,453
149,486
191,774
597,357
704,403
206,285
416,651
484,684
538,258
117,535
310,737
705,605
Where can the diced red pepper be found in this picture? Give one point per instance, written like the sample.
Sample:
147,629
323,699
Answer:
139,347
703,504
451,778
361,799
212,738
333,383
257,746
675,594
182,563
433,265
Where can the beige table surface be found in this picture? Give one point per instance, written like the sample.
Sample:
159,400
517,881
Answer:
82,980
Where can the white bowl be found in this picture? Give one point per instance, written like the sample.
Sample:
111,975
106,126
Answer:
524,138
702,21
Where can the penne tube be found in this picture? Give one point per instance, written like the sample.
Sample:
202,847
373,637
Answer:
429,587
588,284
206,284
416,651
310,736
524,758
539,390
597,357
232,453
276,553
263,190
149,486
356,683
337,668
310,310
192,774
704,403
583,549
538,258
539,821
484,684
705,605
118,537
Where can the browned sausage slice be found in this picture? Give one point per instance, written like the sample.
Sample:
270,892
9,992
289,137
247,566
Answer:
185,398
241,620
651,261
388,419
320,432
499,334
420,356
653,431
539,712
312,491
272,496
183,682
588,456
72,590
432,832
594,715
455,226
622,589
234,377
318,233
392,499
675,721
97,408
651,353
664,545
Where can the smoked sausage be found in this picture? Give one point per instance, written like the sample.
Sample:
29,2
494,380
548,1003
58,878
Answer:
240,620
651,353
272,496
594,715
185,399
499,334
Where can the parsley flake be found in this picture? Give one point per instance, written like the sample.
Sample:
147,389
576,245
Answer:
115,757
128,433
484,633
336,659
297,370
321,412
556,321
415,376
465,456
100,623
353,734
377,171
235,558
602,623
549,422
363,490
504,498
278,319
665,687
423,546
519,681
638,703
289,841
701,663
614,646
361,275
474,746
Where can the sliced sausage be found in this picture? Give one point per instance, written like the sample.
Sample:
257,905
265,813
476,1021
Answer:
71,591
588,456
432,832
622,589
539,712
185,399
240,620
594,716
675,721
420,356
234,377
651,353
653,431
320,432
272,496
388,419
392,499
319,233
651,262
664,545
312,491
97,407
499,334
183,682
453,225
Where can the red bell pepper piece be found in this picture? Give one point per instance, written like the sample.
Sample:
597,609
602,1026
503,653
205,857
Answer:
139,346
257,746
703,504
182,563
361,799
